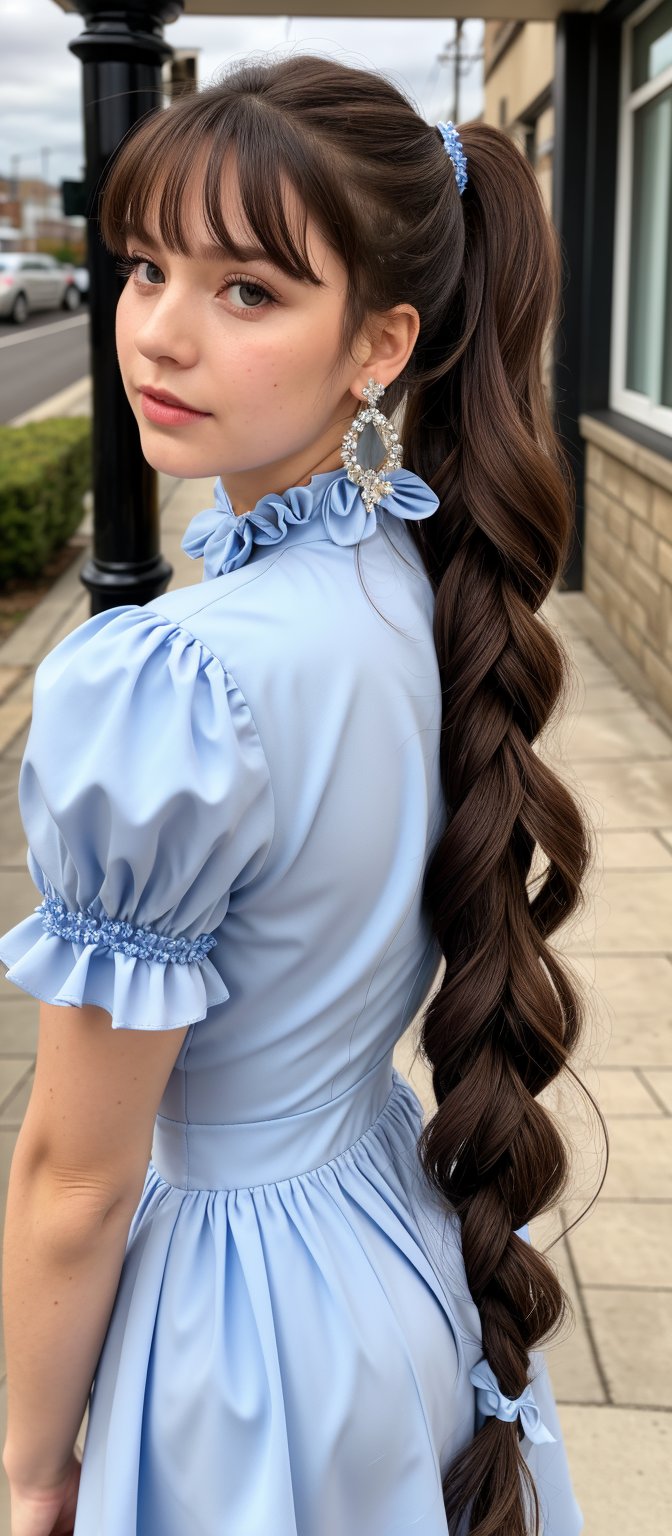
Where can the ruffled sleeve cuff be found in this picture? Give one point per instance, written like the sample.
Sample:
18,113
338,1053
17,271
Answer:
143,979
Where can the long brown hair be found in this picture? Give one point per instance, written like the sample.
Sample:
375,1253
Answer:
483,271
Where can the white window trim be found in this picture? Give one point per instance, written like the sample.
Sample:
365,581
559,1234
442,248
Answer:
629,401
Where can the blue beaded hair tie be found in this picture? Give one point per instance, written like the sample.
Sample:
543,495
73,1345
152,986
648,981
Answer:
453,147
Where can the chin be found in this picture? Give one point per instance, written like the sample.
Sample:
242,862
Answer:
170,458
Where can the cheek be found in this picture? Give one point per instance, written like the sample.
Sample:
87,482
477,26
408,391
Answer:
122,329
287,360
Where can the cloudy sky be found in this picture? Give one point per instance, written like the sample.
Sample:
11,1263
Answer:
40,80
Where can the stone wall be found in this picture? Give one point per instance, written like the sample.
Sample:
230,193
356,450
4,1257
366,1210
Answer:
628,547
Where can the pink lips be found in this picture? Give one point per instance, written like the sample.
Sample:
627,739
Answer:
168,414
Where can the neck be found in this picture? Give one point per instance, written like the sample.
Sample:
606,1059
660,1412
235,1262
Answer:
246,488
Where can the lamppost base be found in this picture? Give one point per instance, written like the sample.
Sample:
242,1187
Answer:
138,587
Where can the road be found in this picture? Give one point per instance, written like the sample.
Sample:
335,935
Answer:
41,357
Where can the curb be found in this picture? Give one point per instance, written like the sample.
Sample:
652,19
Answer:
74,400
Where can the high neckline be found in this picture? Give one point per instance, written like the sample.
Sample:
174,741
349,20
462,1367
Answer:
225,540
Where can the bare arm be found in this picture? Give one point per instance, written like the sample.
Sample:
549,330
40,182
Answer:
76,1178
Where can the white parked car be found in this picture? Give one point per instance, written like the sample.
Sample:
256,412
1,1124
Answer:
32,281
81,275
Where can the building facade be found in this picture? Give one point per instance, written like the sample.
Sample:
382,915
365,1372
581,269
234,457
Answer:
589,100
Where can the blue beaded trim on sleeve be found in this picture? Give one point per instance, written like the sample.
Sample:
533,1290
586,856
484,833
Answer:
112,933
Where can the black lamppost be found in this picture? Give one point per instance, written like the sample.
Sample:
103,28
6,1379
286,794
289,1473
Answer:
122,50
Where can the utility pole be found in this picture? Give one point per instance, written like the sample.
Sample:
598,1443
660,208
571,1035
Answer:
16,187
15,159
45,153
454,53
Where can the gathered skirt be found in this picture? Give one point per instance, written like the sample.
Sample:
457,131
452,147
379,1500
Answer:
290,1355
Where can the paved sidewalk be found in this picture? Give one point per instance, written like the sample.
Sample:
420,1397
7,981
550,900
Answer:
611,1373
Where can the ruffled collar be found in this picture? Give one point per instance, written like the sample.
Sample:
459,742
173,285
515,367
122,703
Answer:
225,540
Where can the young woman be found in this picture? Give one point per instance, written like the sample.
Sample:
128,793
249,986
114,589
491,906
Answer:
263,813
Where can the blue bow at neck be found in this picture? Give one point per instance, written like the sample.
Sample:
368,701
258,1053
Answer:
225,539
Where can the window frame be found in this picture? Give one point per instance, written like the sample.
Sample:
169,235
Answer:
629,401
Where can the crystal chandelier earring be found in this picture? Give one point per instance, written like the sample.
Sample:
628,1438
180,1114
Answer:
370,477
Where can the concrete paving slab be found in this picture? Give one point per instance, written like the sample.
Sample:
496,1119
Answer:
620,1460
633,850
570,1357
9,677
597,734
633,1333
631,794
7,1142
629,910
620,1091
13,752
18,1021
13,835
184,498
625,1244
640,1159
594,696
13,1073
659,1082
18,898
15,713
13,1108
629,1008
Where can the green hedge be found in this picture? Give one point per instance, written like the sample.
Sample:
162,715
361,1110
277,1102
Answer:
45,468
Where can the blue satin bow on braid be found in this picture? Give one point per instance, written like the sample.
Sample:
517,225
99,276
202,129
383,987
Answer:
225,539
491,1401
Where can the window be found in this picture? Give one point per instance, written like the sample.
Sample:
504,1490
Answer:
642,321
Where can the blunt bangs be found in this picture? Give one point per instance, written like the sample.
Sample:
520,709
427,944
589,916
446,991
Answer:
145,190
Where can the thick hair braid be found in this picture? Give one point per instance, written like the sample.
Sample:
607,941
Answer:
506,1016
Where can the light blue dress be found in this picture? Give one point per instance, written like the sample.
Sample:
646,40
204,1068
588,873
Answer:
229,796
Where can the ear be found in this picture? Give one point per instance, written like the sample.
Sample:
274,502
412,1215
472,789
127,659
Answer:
389,339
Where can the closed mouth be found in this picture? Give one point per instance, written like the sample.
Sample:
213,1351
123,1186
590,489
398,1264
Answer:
172,400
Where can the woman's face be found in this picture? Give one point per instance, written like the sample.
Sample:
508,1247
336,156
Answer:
259,364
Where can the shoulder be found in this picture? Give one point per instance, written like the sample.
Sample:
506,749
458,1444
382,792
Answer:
146,800
132,693
288,609
308,588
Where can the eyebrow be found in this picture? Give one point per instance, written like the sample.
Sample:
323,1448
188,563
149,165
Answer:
211,252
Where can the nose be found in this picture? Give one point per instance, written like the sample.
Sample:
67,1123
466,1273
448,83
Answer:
168,329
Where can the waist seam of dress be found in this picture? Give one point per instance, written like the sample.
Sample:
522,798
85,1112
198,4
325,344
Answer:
401,1088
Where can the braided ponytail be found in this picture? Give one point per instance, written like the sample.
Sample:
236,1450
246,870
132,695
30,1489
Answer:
505,1017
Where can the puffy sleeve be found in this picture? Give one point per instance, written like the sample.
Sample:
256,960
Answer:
145,798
